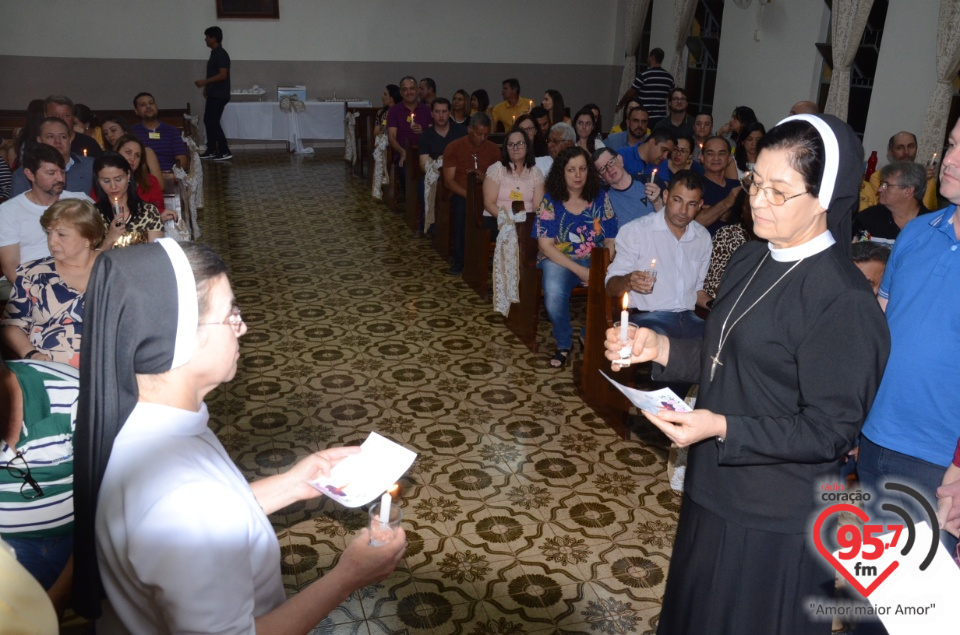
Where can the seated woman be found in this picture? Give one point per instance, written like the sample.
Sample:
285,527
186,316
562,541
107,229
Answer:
391,95
43,319
115,128
479,102
574,217
598,120
128,219
726,241
746,152
179,538
526,124
85,121
514,178
585,124
458,113
682,157
553,102
148,187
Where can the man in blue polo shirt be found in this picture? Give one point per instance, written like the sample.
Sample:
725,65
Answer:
164,139
912,430
650,155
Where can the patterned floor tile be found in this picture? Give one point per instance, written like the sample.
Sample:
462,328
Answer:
524,512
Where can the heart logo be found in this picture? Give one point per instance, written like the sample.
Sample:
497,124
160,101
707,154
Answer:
836,564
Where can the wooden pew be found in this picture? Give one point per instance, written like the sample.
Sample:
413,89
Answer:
441,221
605,400
413,175
477,248
524,318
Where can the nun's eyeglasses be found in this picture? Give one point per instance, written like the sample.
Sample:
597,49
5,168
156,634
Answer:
773,196
17,472
233,320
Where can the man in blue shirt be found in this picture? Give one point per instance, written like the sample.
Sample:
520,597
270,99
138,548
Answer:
911,432
650,155
631,199
79,170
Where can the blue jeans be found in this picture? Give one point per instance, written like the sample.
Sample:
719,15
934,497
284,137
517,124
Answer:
558,283
44,558
683,325
877,465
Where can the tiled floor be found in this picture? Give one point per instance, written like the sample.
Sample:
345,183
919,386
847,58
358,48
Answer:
525,513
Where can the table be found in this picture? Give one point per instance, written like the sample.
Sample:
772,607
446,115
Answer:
264,121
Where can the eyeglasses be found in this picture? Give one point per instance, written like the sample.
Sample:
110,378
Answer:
233,320
774,197
679,99
884,185
24,473
681,151
606,166
519,145
528,129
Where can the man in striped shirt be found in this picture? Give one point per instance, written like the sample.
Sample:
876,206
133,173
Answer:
38,411
652,87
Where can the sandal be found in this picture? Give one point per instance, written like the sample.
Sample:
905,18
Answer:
559,359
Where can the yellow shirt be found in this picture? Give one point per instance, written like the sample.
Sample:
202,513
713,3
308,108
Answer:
506,115
869,189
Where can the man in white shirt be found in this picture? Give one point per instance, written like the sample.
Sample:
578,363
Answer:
21,237
677,249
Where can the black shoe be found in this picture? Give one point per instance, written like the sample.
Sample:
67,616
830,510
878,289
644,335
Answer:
455,270
223,157
208,155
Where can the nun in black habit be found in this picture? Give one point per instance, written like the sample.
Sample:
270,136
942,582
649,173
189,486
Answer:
791,359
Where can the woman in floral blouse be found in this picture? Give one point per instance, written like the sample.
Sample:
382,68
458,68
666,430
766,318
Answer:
44,317
574,217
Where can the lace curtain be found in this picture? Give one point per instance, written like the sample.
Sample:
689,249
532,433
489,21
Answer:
846,29
948,64
636,12
683,14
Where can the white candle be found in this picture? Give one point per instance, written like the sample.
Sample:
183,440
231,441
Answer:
385,502
116,206
624,317
653,175
653,264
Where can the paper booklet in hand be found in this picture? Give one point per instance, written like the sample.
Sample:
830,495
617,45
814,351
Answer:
652,401
360,478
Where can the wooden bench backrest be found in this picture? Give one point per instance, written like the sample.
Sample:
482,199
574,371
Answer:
13,119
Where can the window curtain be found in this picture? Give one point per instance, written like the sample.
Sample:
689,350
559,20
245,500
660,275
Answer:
948,64
683,14
846,27
636,13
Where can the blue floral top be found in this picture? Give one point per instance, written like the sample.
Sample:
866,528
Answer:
48,310
575,235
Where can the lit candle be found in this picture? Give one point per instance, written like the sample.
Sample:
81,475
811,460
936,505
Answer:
385,502
413,120
531,105
116,206
85,152
933,160
624,317
653,175
653,264
514,119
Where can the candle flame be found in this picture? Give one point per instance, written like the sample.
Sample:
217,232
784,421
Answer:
654,174
626,301
653,263
393,488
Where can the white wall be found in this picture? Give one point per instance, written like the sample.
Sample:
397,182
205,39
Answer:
780,69
906,73
495,31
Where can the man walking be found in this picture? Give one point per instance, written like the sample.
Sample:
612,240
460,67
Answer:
216,88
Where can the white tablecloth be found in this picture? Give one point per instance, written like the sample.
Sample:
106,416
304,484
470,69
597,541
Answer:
264,121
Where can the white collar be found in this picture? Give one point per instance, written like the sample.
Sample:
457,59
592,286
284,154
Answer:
804,250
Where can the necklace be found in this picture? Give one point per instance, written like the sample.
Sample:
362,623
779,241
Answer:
724,333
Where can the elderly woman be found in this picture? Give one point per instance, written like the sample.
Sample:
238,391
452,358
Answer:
574,217
127,218
116,128
43,319
179,539
514,178
789,365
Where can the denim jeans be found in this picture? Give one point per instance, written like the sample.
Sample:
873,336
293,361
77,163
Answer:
558,283
877,465
684,325
216,139
44,558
